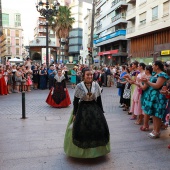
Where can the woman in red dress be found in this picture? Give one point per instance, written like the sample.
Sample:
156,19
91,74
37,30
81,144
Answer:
58,95
3,85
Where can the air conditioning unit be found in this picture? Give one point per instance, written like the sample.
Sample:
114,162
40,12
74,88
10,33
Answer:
63,40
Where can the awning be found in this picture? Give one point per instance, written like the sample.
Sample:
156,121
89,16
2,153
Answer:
108,52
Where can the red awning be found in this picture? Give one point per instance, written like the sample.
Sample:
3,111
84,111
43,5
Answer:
108,52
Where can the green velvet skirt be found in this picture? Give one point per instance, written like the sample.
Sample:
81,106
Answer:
77,152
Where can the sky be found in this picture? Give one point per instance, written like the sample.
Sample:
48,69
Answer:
29,15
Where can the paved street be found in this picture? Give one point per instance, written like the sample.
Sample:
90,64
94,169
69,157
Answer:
36,143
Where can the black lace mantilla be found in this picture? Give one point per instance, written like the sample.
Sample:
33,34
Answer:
90,128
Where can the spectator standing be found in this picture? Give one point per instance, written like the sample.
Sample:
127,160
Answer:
43,78
154,103
3,85
51,75
73,77
35,77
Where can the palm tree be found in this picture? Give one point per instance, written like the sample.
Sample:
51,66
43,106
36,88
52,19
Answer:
63,23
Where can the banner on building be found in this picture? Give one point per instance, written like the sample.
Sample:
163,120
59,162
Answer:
43,55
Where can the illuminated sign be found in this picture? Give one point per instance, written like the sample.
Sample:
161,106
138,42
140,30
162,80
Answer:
165,52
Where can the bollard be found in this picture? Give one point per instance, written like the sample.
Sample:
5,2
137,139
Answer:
23,105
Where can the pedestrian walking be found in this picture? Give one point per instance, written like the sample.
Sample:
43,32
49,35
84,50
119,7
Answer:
58,95
87,133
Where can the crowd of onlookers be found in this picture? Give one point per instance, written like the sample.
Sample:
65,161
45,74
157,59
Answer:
26,76
144,92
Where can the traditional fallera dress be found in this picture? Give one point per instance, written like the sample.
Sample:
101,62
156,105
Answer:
3,85
57,97
88,136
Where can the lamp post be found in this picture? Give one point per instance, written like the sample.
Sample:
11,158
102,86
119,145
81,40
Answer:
48,11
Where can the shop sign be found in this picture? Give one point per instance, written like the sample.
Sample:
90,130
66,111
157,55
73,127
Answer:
165,52
108,52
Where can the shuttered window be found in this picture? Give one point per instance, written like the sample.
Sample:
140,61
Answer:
142,18
166,8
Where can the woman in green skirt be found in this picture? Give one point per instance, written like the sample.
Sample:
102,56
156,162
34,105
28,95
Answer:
87,134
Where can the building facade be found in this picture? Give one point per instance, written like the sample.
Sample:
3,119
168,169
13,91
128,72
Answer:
75,35
11,21
2,47
86,38
148,30
110,31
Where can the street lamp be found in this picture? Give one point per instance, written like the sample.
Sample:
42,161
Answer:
48,11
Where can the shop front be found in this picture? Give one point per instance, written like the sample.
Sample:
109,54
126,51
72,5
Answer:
112,57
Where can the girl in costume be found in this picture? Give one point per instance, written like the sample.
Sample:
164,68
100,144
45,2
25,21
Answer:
28,81
3,85
59,96
87,134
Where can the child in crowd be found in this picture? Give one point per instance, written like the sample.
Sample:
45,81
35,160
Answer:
29,81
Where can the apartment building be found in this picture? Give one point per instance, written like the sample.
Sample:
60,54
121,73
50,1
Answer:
75,35
148,30
110,28
11,22
86,38
2,47
37,46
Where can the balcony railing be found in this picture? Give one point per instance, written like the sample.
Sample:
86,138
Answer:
116,1
121,15
130,30
109,36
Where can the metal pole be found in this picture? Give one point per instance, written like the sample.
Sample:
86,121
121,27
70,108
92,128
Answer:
92,30
47,57
23,105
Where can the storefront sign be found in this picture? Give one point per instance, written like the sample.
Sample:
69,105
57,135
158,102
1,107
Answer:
165,52
108,52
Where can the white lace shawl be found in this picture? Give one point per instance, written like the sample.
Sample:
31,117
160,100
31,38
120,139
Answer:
59,79
82,92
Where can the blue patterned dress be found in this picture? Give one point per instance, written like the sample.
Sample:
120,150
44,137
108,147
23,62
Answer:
153,102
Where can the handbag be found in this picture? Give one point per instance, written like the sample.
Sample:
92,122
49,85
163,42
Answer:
119,85
23,81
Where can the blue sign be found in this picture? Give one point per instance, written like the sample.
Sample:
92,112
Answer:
112,35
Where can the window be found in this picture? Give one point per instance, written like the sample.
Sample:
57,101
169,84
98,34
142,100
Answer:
17,33
155,13
142,18
5,19
8,32
17,41
17,51
17,20
166,8
8,41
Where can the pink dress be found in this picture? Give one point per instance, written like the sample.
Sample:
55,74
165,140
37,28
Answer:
136,98
29,81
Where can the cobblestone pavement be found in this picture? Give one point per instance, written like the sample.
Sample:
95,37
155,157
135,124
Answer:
36,143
